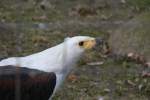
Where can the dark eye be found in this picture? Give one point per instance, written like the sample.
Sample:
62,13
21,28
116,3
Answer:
81,43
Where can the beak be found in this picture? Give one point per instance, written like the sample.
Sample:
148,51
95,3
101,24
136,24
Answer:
99,43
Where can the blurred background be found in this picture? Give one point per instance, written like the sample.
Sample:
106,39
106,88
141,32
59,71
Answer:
29,26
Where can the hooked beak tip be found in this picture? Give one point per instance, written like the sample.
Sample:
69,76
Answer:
99,44
99,41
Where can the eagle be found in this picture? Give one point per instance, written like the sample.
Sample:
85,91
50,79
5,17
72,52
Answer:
38,76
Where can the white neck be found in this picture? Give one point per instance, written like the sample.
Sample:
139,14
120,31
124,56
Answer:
54,59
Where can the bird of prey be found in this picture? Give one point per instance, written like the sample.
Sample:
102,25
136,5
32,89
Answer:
41,74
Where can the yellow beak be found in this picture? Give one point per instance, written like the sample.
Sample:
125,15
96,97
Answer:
89,44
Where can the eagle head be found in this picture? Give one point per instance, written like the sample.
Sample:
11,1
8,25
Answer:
78,44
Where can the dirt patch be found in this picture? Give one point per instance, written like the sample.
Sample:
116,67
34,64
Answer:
133,36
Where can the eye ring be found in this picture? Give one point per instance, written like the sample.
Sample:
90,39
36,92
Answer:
81,43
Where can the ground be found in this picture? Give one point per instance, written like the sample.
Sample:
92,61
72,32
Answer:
29,26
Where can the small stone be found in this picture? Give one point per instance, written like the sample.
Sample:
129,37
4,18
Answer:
107,90
130,55
140,87
123,1
95,63
100,98
104,17
147,64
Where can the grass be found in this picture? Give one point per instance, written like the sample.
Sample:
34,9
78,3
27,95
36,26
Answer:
140,4
111,81
114,80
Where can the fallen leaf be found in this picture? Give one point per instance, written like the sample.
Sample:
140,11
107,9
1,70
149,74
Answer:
40,17
145,74
72,78
130,83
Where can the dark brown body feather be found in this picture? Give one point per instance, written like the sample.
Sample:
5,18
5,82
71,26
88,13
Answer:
25,84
